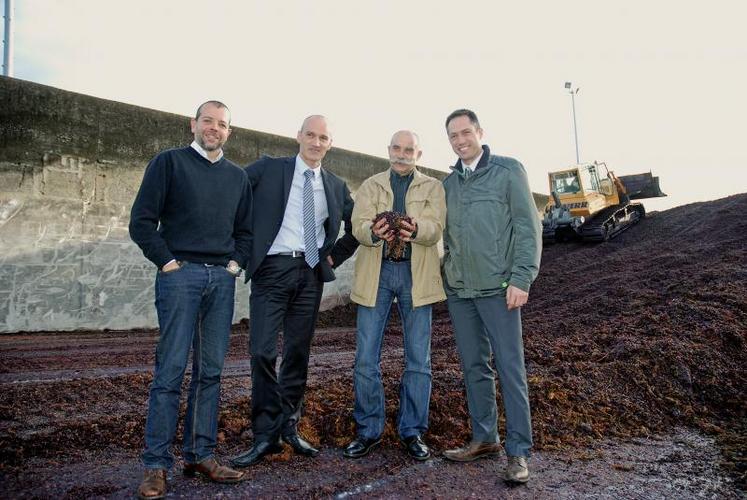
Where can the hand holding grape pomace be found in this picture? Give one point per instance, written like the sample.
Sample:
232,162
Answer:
396,229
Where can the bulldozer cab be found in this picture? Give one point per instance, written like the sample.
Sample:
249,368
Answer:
584,189
565,182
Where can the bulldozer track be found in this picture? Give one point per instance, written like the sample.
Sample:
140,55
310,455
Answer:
611,221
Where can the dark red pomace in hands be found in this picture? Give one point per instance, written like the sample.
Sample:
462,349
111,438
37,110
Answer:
395,249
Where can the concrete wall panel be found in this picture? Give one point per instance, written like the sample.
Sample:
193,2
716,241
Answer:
70,166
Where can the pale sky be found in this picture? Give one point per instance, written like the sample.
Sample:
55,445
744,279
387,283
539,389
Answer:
662,83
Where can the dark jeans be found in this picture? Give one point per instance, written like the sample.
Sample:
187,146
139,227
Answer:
195,309
285,295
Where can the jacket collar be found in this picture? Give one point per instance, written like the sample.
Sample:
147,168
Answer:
458,168
394,176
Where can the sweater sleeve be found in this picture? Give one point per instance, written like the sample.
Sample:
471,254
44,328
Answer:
527,230
146,211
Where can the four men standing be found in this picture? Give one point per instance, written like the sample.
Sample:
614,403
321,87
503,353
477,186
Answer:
414,279
193,218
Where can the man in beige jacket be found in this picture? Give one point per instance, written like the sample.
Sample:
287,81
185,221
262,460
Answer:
414,279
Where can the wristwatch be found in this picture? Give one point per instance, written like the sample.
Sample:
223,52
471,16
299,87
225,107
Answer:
233,268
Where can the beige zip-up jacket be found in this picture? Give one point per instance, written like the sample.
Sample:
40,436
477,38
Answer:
425,201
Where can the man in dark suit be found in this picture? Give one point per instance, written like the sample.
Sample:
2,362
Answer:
298,209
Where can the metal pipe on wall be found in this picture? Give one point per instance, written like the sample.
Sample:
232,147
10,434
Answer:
8,42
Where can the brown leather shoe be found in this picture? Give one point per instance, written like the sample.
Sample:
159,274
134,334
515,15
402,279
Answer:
473,450
153,485
211,469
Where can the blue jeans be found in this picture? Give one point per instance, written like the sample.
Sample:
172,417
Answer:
415,387
195,309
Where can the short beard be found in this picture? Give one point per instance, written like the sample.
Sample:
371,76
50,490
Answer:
201,142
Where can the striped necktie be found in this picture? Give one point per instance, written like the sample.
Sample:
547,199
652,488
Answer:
309,222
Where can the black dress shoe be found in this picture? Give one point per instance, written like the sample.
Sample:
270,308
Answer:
360,447
256,452
300,445
416,448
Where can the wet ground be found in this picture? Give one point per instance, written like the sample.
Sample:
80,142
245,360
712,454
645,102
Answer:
635,354
681,465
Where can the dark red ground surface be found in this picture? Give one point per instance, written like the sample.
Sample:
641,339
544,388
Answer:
626,340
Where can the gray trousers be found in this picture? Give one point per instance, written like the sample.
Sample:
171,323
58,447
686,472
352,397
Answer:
482,325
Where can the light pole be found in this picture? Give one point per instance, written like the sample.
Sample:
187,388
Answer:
8,48
573,93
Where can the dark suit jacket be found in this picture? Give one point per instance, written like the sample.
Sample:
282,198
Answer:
271,180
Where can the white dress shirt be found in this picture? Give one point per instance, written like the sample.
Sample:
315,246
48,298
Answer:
204,154
472,166
290,238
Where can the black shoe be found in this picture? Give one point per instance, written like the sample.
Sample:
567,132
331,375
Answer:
300,445
360,447
256,452
416,448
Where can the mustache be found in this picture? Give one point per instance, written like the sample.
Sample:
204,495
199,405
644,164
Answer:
403,161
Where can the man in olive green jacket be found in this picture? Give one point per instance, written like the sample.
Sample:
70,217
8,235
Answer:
414,279
492,245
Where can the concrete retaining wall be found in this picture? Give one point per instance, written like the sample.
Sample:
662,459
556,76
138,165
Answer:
70,166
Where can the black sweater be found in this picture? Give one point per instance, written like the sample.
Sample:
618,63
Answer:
204,210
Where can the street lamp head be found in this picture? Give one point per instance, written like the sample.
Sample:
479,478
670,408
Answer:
568,85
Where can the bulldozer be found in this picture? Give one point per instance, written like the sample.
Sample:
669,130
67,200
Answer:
589,202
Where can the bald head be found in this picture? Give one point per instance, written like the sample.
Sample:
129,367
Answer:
313,120
314,140
404,151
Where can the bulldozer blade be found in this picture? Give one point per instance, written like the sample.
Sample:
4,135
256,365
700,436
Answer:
640,186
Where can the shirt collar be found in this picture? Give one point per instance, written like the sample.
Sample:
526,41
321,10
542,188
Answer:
482,161
204,154
473,166
302,167
394,175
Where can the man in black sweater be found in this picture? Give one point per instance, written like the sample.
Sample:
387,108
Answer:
192,219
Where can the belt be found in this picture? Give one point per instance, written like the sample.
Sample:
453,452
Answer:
296,254
185,262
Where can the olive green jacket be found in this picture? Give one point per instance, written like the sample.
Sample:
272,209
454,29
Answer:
493,235
426,204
